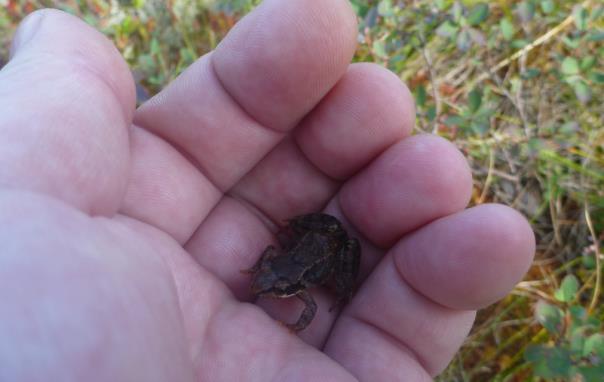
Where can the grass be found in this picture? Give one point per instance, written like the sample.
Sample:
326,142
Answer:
518,86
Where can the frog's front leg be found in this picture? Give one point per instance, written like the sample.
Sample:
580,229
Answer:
310,308
346,271
269,253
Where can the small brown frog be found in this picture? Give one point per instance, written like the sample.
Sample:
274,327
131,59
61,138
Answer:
315,249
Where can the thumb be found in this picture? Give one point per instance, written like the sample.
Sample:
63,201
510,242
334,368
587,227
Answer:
67,101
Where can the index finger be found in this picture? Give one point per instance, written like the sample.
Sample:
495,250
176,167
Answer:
231,107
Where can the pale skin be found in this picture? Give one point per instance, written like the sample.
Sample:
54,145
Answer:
124,230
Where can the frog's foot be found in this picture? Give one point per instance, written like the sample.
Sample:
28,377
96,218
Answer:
310,309
292,328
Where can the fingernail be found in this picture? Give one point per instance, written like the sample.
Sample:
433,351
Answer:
26,31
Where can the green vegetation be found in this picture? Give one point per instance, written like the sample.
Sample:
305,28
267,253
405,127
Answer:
517,85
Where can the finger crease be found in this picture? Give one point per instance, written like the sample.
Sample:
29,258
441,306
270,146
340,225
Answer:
238,104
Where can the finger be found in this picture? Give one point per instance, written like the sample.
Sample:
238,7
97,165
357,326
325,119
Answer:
478,270
67,99
287,183
365,113
335,140
416,327
420,179
231,107
306,48
210,123
177,197
415,181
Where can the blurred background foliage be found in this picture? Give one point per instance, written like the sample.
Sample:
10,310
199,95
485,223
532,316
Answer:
518,86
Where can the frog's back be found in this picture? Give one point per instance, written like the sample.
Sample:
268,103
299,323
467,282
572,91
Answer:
315,256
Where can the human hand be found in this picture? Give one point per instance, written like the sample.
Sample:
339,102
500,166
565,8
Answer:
124,232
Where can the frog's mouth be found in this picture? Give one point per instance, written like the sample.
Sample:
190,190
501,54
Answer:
278,293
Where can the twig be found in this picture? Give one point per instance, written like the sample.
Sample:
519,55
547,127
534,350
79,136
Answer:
488,181
596,296
554,215
519,98
433,83
540,40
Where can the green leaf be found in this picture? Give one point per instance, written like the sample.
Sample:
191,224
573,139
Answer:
480,125
464,40
577,342
379,49
570,66
535,144
587,63
360,7
534,353
549,316
447,29
155,47
530,73
547,6
474,100
507,29
580,14
457,11
597,77
548,362
578,314
572,43
421,96
431,113
385,8
356,8
594,345
478,14
568,289
582,91
455,120
519,44
441,4
596,35
591,373
588,262
526,11
596,13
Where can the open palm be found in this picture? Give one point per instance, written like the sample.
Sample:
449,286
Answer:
124,232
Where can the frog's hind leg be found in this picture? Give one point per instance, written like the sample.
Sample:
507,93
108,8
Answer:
346,271
310,309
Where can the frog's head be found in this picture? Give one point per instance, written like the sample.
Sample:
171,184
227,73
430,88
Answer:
269,284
